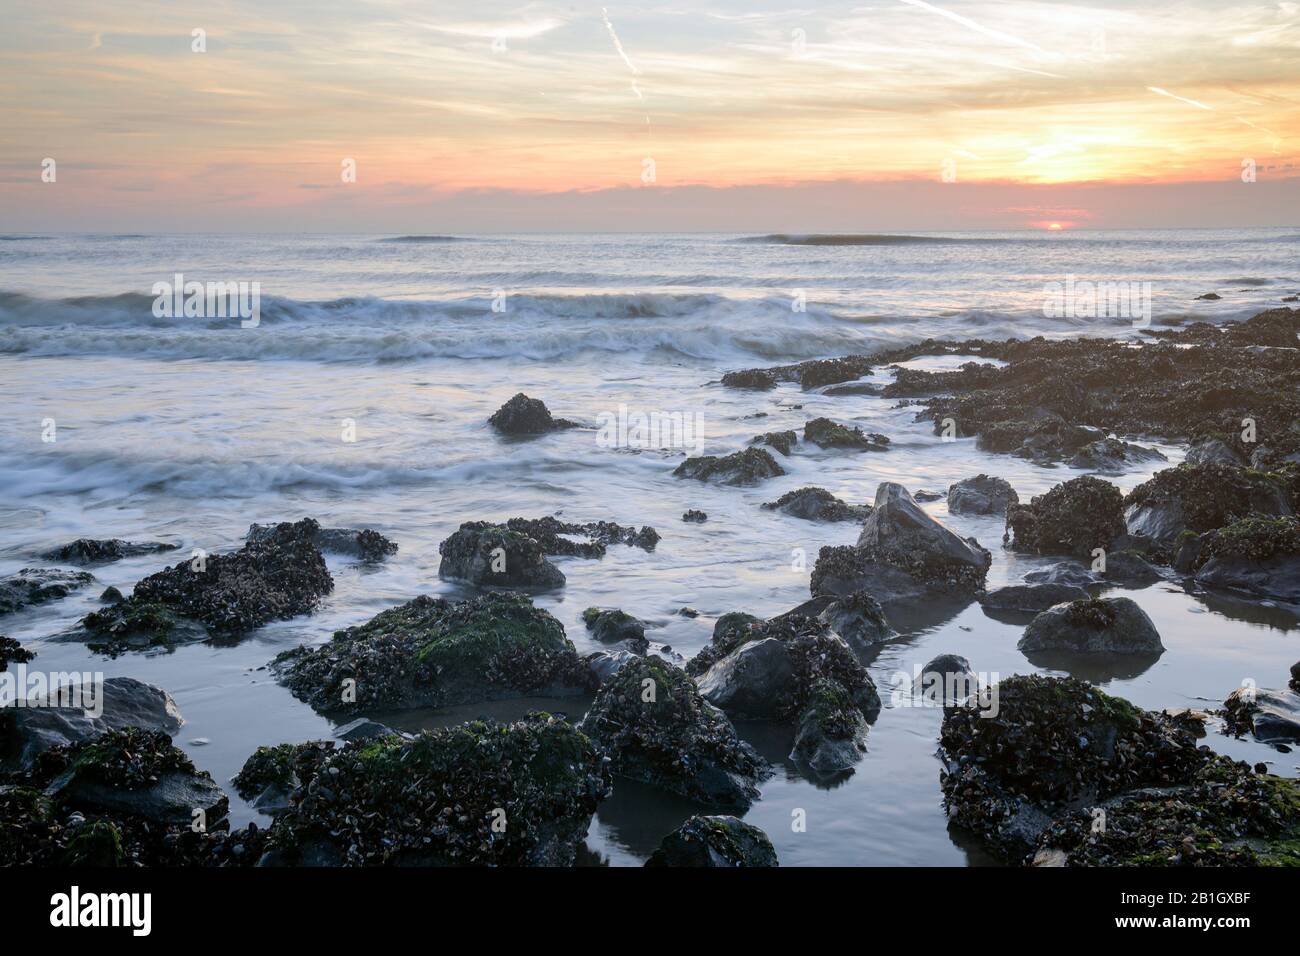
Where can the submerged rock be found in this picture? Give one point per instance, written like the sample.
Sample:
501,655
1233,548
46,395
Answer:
526,416
1093,626
27,732
694,516
1257,555
902,554
38,585
1075,517
492,555
746,467
828,434
431,652
366,544
93,551
714,842
655,727
1271,716
981,495
274,578
481,793
613,625
783,442
817,504
1032,597
947,680
755,379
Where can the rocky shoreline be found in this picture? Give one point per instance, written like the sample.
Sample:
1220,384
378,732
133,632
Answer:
1027,783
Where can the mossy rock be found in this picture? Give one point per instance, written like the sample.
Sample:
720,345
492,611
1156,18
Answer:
480,793
716,841
431,652
1074,518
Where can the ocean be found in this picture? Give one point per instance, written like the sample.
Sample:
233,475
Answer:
360,398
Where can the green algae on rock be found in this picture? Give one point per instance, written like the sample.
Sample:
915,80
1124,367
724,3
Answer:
1074,518
431,652
480,793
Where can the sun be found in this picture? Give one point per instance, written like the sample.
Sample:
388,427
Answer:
1055,226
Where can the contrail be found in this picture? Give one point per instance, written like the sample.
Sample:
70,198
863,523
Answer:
971,24
618,45
1181,99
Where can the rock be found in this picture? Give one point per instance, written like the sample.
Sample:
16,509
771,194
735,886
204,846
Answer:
612,626
523,416
1032,597
828,434
1075,518
111,595
783,442
274,578
32,586
1272,716
924,495
902,554
134,773
947,680
755,379
817,504
746,467
93,551
854,388
123,702
808,676
717,841
688,612
492,555
11,652
1130,568
605,664
555,535
1214,451
752,681
480,793
859,619
1051,744
1200,498
981,495
431,652
365,544
1066,572
363,728
1113,457
1212,296
729,632
1257,555
1093,626
655,727
1295,675
698,517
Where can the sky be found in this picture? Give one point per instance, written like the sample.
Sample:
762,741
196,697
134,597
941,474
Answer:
689,115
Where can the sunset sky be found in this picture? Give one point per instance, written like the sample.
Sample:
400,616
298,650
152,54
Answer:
783,115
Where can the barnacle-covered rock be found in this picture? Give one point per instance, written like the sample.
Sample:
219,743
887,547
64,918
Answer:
783,442
714,842
828,434
479,793
523,416
1270,716
38,585
981,495
366,544
1093,626
614,625
654,725
272,578
817,504
1075,517
1200,498
1257,555
431,652
491,555
95,551
12,652
747,467
1031,748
